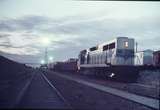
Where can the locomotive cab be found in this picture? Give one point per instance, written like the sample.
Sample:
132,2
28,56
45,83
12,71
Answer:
124,51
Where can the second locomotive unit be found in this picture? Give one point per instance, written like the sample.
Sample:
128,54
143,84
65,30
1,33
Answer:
113,59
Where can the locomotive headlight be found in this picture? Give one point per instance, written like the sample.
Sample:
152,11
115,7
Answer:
111,75
126,44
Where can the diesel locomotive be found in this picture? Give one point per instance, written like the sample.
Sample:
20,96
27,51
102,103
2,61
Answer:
113,59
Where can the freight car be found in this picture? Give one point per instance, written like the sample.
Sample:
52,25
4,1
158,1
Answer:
69,66
144,57
147,60
113,59
156,58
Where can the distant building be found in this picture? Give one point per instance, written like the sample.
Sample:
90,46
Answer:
144,57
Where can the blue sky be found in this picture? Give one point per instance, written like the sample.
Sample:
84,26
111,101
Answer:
73,25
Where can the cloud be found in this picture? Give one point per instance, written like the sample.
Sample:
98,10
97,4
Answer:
69,35
19,50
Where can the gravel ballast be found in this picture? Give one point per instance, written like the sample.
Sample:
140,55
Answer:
149,78
84,97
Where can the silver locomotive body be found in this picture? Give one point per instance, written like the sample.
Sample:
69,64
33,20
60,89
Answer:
114,59
119,51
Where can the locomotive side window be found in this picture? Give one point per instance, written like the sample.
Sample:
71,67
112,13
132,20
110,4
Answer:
93,48
105,47
112,45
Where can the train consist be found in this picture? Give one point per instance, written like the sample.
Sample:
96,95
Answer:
144,57
115,59
112,59
156,58
69,65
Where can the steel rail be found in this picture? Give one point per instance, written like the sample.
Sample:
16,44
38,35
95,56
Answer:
23,91
53,87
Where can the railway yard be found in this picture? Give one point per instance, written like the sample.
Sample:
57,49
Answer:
42,88
102,78
79,55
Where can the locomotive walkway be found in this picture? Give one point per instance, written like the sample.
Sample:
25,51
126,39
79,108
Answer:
41,94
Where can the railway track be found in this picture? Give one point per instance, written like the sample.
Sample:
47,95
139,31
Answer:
57,92
40,93
142,100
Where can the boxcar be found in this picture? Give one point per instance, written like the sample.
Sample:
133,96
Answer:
66,66
156,58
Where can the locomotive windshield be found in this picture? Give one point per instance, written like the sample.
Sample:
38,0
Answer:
112,45
93,48
126,44
105,47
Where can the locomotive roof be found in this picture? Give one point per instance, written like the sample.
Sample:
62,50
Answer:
107,42
111,41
